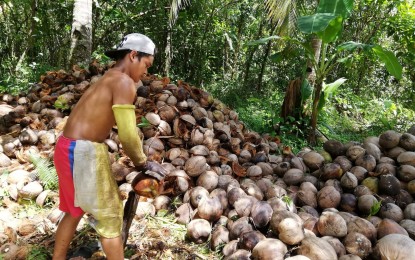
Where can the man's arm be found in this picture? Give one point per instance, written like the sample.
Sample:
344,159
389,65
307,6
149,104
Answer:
124,114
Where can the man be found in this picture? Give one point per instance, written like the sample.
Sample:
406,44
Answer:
81,158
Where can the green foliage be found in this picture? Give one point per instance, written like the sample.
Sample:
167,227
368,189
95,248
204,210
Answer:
375,208
144,123
45,171
38,253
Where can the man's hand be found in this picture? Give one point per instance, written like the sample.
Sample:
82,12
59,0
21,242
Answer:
155,170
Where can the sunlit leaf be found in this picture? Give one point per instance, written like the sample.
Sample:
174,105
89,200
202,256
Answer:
315,23
341,7
391,62
332,31
263,40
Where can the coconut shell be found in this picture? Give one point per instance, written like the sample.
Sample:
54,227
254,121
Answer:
406,158
389,226
316,248
407,142
269,248
198,230
334,148
357,244
389,139
394,246
220,236
332,224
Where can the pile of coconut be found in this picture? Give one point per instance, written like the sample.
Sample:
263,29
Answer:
246,193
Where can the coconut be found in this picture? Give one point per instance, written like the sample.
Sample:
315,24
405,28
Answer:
184,213
348,202
269,248
406,158
220,236
357,244
208,180
331,171
240,254
334,148
407,142
365,203
230,248
328,197
389,139
389,226
261,214
239,227
290,231
198,230
313,160
210,208
363,226
195,166
394,246
316,248
250,239
332,224
355,152
389,185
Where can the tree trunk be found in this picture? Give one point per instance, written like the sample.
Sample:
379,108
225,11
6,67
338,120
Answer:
168,51
251,54
29,36
81,34
264,60
311,70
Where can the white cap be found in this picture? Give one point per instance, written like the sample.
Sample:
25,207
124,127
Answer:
134,41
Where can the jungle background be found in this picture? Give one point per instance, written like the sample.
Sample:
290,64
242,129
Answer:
209,44
247,53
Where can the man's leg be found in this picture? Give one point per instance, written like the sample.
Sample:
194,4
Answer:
64,235
113,248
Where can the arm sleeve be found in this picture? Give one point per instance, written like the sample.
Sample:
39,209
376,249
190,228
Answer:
127,132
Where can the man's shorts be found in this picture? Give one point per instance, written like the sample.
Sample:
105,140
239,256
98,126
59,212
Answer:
86,184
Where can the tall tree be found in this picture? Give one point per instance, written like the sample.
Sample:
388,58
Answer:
81,34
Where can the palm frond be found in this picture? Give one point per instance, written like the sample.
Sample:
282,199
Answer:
45,171
283,13
176,5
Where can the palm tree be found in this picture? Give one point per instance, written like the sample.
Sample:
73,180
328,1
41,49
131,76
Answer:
81,34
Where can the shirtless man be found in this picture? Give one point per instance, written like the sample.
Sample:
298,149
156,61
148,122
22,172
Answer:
81,158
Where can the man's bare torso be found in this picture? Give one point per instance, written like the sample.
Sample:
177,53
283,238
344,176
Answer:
92,118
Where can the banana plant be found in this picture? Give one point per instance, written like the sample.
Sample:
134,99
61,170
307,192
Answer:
327,23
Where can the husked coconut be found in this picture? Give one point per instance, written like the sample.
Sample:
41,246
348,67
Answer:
210,208
313,160
407,142
357,244
250,239
290,231
391,211
230,248
261,214
394,246
336,244
269,248
220,236
328,197
332,224
389,139
363,226
316,248
184,213
406,158
198,230
240,254
409,226
389,226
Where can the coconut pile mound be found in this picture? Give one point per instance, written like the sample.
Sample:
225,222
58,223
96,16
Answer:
244,193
